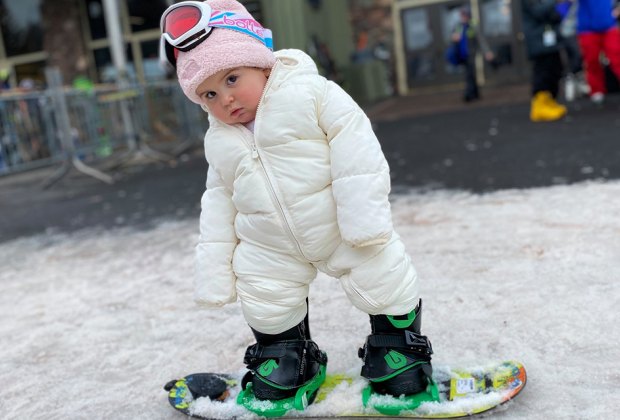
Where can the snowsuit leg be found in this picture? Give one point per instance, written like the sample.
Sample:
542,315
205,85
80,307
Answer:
377,279
381,281
272,287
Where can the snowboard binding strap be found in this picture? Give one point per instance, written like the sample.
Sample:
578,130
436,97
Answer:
417,343
257,354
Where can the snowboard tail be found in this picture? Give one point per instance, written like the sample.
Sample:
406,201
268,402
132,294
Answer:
454,392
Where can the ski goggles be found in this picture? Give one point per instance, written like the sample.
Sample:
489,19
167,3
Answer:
186,24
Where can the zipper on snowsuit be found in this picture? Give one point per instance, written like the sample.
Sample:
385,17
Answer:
272,190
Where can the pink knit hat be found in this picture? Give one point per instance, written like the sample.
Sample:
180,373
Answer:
223,49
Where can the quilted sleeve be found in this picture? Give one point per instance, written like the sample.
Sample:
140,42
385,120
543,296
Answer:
215,281
360,173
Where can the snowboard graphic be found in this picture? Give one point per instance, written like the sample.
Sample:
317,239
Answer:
456,392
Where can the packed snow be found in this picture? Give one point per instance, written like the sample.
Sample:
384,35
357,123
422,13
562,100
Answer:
94,323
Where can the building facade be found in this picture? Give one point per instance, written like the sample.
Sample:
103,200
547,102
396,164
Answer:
400,43
422,31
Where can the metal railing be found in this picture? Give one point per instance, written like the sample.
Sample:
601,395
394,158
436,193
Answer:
31,136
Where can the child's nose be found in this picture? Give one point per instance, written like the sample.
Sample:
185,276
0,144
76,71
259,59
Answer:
228,99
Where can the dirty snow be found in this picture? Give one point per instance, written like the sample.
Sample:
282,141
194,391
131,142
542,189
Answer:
95,322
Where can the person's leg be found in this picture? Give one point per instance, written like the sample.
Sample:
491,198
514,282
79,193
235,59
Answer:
377,279
554,71
538,75
546,74
382,282
575,85
273,289
574,61
591,46
471,85
611,47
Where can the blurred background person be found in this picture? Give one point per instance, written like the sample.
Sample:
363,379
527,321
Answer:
598,32
541,21
575,84
466,40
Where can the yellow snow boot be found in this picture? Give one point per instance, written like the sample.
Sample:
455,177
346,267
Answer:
545,108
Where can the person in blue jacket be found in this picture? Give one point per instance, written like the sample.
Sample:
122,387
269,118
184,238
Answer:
598,32
466,40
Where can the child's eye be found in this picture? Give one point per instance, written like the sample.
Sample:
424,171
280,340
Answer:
231,79
210,95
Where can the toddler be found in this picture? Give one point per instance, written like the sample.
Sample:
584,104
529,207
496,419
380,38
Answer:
296,183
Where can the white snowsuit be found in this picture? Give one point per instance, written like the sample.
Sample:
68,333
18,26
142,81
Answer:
307,190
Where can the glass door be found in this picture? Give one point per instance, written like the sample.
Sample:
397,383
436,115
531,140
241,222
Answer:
426,32
498,27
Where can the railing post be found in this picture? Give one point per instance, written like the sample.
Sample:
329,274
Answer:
61,117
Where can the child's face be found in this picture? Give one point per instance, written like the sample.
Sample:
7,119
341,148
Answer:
232,95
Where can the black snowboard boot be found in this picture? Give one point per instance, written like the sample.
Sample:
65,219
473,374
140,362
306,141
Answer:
279,365
396,356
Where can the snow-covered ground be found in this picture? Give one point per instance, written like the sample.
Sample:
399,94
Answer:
94,323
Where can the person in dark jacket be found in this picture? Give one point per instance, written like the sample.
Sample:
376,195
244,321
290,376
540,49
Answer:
598,31
541,20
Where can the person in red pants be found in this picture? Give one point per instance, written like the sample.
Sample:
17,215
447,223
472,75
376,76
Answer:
598,31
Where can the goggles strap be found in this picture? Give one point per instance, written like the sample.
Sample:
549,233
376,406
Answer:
231,20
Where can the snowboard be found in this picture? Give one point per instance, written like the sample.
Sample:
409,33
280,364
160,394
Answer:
457,392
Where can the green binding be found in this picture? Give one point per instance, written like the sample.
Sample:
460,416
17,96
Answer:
402,323
408,402
277,408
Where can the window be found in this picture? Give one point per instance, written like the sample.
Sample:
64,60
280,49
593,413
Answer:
417,29
21,26
496,17
145,15
96,19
